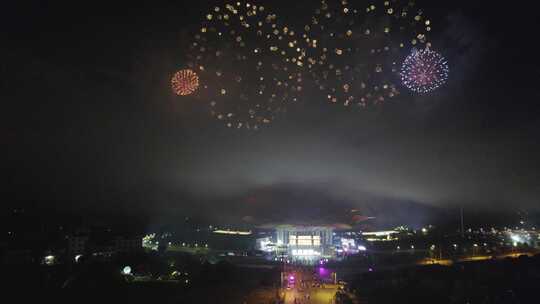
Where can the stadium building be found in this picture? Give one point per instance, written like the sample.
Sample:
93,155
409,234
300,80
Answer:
305,242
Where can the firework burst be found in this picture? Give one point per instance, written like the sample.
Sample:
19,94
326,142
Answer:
354,49
424,71
249,64
185,82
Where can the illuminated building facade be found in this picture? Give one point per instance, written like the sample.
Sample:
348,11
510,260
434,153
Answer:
305,242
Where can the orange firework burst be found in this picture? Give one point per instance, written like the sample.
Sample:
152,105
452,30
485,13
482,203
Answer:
185,82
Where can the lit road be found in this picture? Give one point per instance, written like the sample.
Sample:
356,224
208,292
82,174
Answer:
308,294
316,295
447,262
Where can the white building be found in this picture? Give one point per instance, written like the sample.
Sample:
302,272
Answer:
305,242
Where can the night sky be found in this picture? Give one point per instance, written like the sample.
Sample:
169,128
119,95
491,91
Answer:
89,124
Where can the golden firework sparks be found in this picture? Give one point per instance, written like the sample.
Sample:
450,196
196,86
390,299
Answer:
185,82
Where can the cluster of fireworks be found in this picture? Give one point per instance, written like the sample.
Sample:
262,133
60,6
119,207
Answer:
248,65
